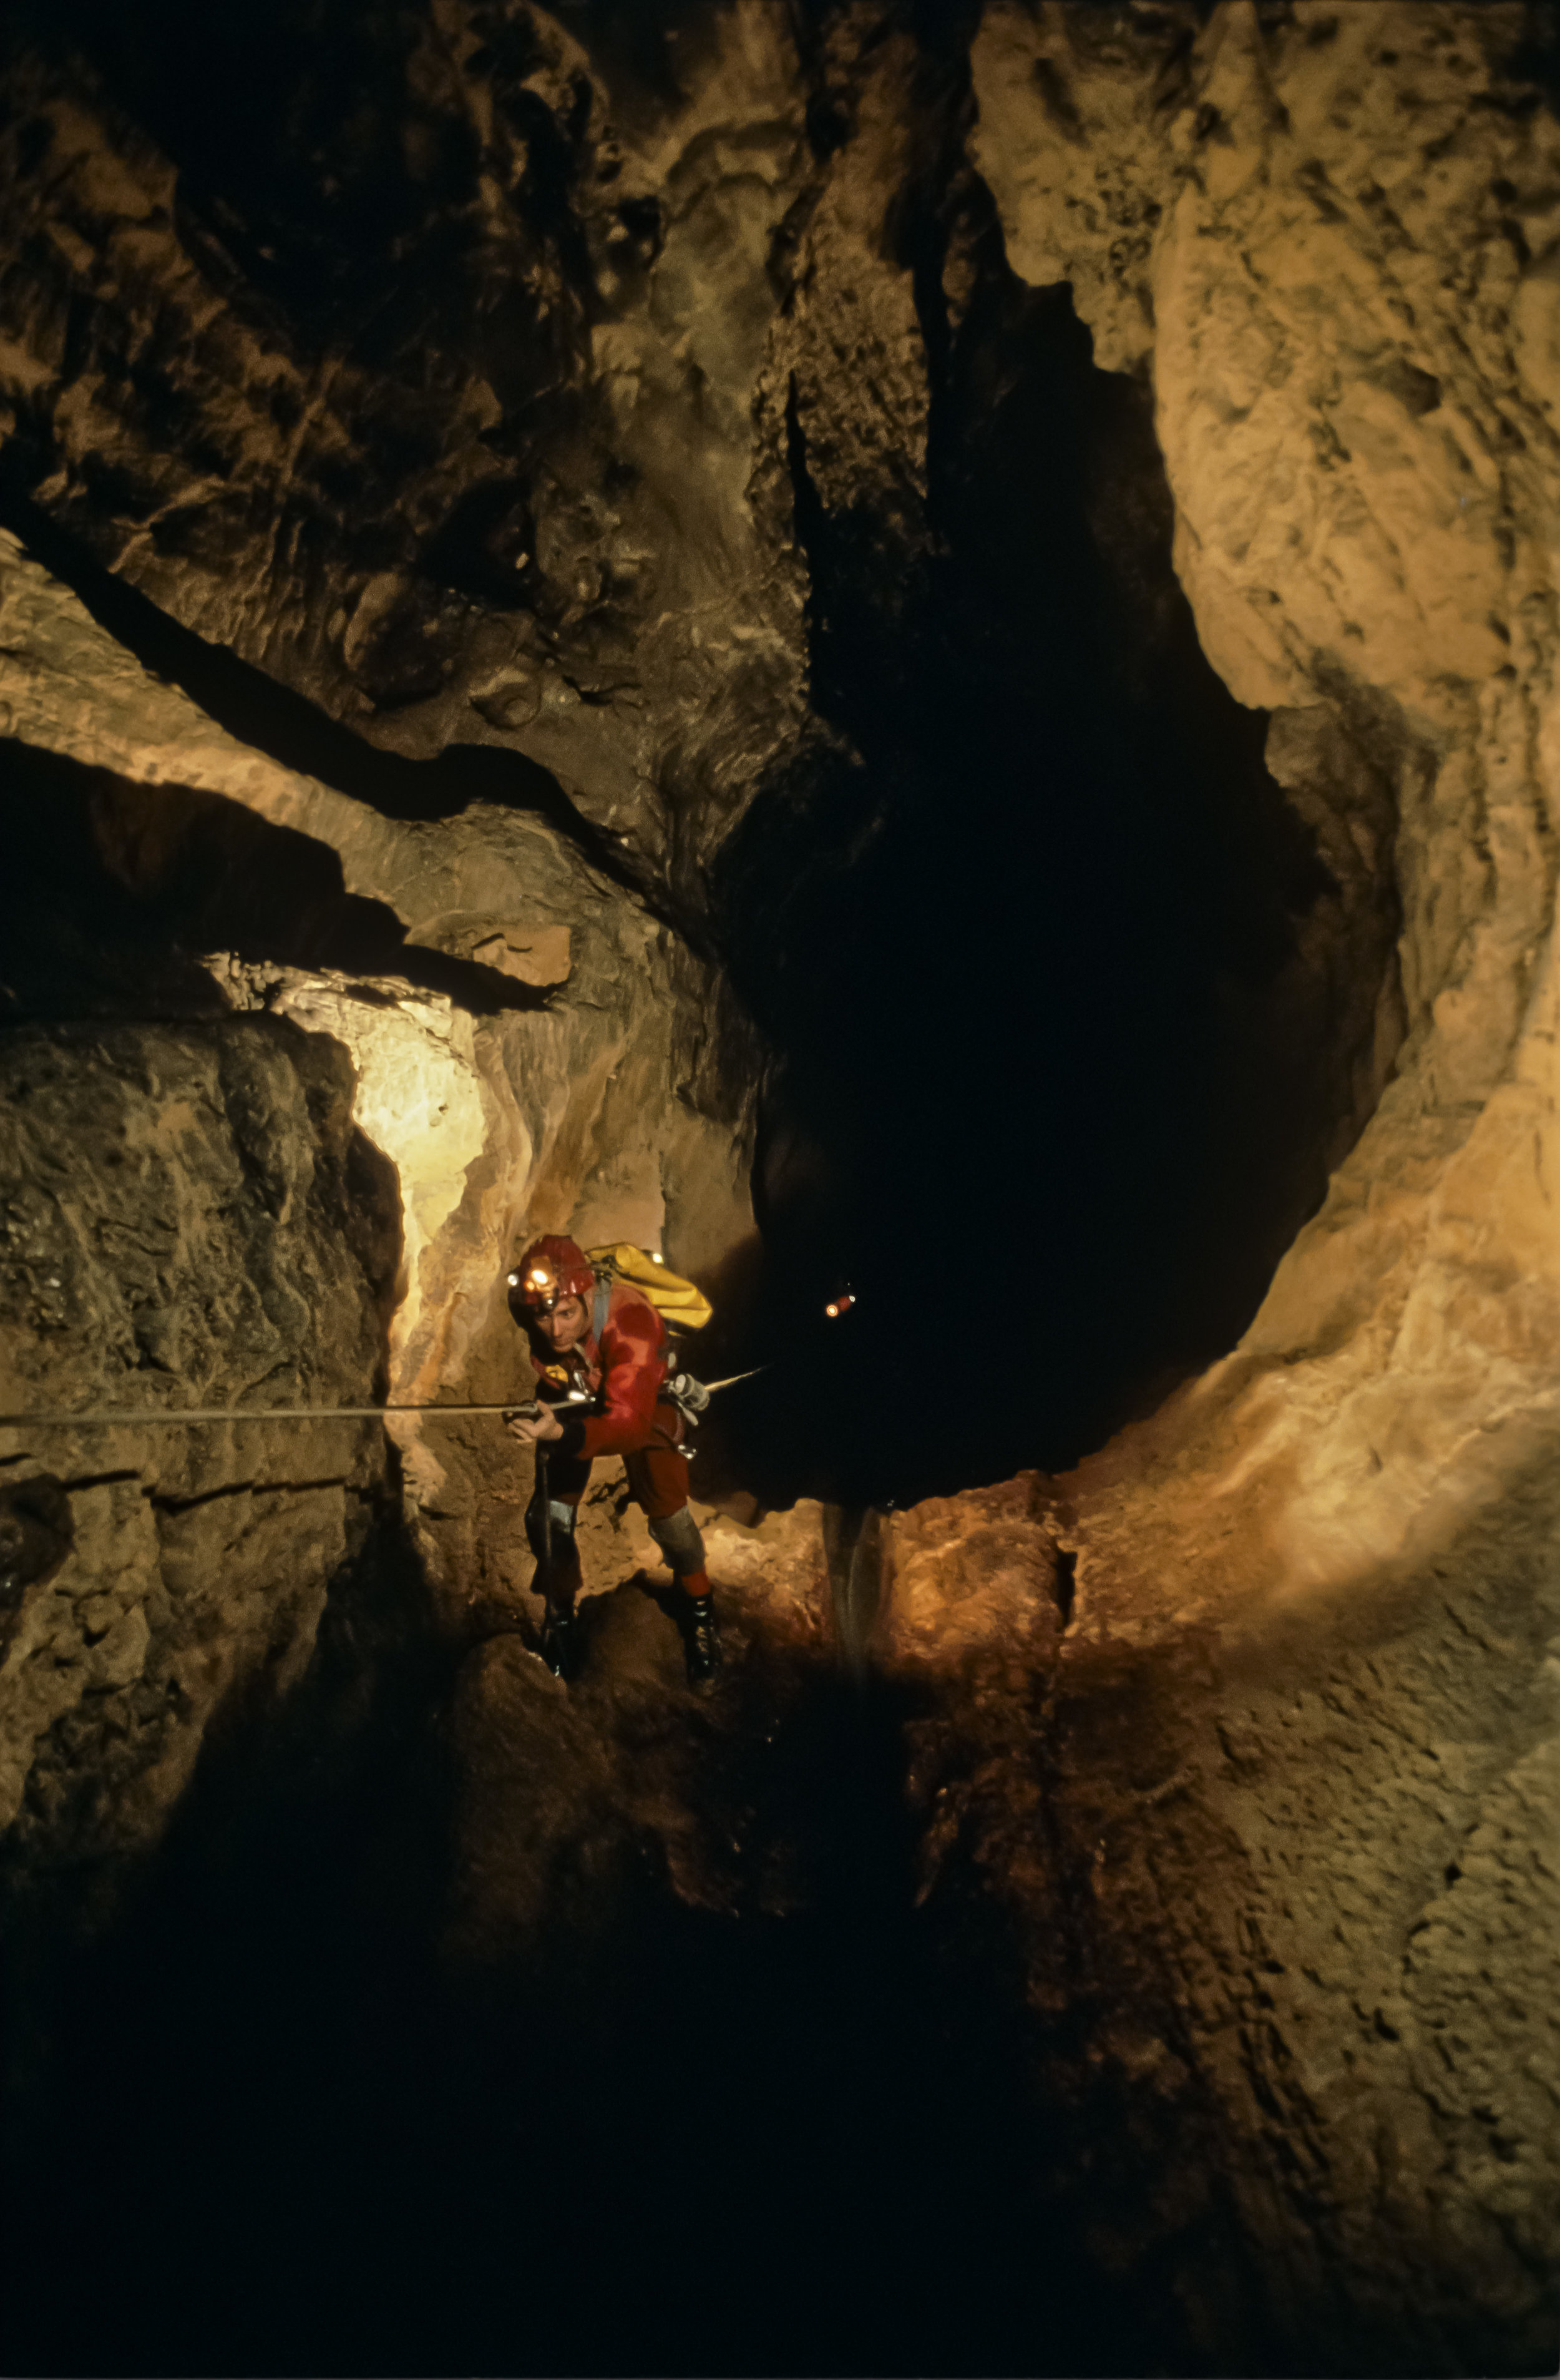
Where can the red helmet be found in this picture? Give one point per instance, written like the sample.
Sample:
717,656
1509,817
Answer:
550,1267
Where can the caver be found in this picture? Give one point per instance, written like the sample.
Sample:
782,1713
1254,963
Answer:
600,1347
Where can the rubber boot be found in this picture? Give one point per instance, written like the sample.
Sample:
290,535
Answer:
559,1641
701,1640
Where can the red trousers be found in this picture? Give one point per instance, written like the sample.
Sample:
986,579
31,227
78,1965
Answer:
658,1474
658,1481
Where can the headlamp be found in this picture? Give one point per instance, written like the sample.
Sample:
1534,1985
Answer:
538,1288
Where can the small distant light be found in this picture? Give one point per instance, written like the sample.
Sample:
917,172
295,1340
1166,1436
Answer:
832,1309
657,1259
513,1281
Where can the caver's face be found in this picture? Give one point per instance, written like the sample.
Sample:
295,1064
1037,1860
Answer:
564,1327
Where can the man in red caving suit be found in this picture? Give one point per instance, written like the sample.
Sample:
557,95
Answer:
606,1345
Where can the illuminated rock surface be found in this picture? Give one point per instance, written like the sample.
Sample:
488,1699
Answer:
192,1207
1334,1555
594,569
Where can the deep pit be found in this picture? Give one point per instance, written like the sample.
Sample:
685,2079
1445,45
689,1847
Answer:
1071,1020
882,645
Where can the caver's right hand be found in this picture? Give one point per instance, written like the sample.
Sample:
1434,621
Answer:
532,1425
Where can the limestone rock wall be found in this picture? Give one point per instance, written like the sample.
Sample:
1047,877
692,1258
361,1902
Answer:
1307,1850
190,1216
1302,1744
598,1094
1347,214
552,520
492,485
485,433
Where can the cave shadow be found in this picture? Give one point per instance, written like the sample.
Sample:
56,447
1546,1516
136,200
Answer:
277,2131
260,711
111,890
202,2082
267,2127
765,2142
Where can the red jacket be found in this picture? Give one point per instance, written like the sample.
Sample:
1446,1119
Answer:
628,1368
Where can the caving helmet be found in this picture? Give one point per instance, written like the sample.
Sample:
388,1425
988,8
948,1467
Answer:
550,1269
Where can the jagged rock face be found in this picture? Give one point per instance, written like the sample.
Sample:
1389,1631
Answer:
964,1622
196,1206
1354,425
824,346
467,336
596,1096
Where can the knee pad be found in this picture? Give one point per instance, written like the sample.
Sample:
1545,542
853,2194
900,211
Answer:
562,1519
680,1541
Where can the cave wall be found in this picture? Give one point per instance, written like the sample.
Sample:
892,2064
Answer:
565,1077
1346,226
1300,1750
566,1074
192,1204
490,480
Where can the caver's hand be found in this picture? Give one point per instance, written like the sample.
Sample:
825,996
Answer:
533,1427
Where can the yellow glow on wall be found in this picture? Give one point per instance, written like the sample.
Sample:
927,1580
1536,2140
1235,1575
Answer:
418,1100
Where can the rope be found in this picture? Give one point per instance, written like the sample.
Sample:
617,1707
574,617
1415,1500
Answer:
107,1417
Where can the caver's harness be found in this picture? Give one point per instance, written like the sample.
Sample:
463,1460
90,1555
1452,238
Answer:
678,1302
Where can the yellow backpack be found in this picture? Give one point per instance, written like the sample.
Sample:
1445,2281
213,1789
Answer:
676,1300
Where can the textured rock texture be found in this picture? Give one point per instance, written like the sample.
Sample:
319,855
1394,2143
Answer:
630,1762
1313,1642
564,1790
190,1217
490,481
506,1104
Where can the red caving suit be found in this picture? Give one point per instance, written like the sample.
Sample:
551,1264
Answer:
627,1367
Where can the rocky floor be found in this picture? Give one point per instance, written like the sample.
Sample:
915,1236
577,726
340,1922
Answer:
692,2070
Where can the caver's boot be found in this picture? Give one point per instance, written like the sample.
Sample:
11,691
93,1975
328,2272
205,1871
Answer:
561,1640
701,1639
